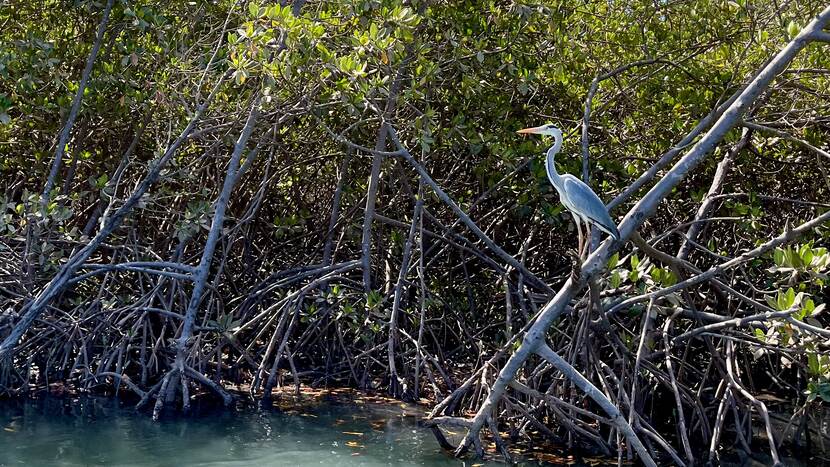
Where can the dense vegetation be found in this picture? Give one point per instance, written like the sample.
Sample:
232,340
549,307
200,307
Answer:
213,195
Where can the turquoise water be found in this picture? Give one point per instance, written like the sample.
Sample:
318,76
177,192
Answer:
61,432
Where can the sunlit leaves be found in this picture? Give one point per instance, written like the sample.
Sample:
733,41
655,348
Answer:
793,28
373,299
803,260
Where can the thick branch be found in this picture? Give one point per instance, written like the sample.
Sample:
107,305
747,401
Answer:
221,204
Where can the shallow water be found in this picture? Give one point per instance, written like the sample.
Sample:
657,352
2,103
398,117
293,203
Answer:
92,431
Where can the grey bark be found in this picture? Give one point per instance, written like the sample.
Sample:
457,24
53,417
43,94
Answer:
399,289
374,178
369,213
788,137
220,206
200,276
714,271
101,211
335,209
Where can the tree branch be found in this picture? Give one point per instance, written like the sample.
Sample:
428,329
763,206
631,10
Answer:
76,106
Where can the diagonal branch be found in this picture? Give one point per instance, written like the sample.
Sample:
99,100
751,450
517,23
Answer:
442,195
597,396
201,274
786,136
76,106
712,272
709,200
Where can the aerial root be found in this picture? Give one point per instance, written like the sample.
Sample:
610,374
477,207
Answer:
162,389
472,437
435,424
227,398
125,380
162,394
487,416
494,430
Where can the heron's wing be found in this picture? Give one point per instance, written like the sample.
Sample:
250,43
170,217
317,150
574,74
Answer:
588,204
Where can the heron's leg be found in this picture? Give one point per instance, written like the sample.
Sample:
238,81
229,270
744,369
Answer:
586,240
578,223
577,255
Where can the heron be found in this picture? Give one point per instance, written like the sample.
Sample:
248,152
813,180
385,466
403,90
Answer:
579,198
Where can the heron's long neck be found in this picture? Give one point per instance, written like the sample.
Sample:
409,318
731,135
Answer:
550,164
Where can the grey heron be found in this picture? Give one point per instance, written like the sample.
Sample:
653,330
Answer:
575,195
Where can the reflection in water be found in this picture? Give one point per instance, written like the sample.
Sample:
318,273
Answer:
57,432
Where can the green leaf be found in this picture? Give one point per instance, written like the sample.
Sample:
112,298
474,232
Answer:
807,256
792,29
790,298
373,299
613,260
324,52
656,274
778,256
760,335
615,280
785,300
809,306
669,279
813,365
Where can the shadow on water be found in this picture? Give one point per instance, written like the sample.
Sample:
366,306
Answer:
98,431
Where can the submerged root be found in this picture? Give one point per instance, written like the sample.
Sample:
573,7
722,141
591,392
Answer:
164,391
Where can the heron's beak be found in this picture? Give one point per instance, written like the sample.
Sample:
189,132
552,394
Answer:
536,130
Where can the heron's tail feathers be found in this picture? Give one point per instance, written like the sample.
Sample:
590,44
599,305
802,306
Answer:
608,228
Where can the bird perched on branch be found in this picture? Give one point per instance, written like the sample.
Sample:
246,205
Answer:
578,197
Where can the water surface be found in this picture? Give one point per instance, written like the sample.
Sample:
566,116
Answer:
93,431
